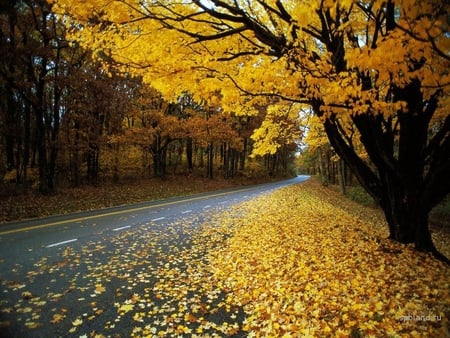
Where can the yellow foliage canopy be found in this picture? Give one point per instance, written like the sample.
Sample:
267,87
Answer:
280,127
179,46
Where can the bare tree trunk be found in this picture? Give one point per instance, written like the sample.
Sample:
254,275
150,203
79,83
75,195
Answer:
210,161
341,171
323,173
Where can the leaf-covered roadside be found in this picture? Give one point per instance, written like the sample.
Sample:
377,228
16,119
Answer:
300,264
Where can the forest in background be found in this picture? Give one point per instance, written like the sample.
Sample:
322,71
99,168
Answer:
69,120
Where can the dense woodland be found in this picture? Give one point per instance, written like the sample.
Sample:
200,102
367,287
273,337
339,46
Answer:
67,119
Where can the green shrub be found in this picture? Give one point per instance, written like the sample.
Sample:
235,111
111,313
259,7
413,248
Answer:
441,213
359,195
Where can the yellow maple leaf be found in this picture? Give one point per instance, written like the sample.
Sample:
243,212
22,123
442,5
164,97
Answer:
138,316
126,308
32,325
99,288
27,295
57,318
135,298
77,322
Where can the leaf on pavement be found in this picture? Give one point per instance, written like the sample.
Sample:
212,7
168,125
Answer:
57,318
99,288
77,322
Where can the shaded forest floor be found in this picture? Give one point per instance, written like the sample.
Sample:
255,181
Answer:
30,204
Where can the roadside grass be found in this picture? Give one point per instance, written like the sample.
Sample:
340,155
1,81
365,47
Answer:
359,195
439,216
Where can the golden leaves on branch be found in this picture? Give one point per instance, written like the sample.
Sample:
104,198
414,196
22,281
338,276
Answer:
280,127
173,62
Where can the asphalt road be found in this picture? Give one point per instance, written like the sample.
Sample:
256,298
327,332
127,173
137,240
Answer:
46,264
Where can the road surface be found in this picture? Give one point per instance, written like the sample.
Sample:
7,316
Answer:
81,274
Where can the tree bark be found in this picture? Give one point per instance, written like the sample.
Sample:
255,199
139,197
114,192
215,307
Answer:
189,153
323,172
399,185
341,173
159,154
210,161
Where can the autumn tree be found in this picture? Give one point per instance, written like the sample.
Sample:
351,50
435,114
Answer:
153,125
377,67
317,152
95,100
276,137
58,104
33,44
318,146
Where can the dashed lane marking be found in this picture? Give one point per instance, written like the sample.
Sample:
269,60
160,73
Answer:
121,228
62,243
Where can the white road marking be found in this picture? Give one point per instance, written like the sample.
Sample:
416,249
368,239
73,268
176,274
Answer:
121,228
157,219
61,243
223,202
206,207
186,211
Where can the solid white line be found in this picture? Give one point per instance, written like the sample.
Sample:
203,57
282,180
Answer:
121,228
61,243
186,211
157,219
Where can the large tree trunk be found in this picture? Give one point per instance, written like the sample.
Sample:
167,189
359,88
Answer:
44,186
407,218
93,164
159,154
159,164
243,155
405,173
10,127
45,181
323,172
406,186
55,119
341,176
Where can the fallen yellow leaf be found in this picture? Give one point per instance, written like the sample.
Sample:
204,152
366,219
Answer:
57,318
77,322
